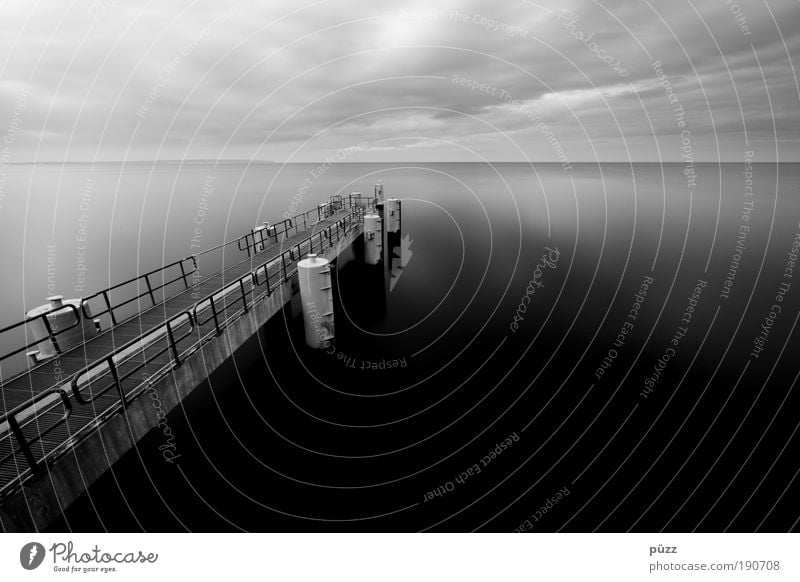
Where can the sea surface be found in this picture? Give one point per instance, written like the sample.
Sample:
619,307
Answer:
604,347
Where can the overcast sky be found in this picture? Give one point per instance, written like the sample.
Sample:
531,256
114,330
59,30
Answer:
399,81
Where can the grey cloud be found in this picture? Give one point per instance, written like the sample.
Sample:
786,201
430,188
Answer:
234,72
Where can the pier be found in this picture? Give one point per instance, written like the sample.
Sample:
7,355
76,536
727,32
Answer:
81,403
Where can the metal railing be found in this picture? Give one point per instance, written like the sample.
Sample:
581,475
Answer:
154,285
106,375
19,418
52,335
259,238
150,290
111,363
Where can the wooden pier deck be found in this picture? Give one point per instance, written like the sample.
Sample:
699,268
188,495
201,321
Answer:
43,426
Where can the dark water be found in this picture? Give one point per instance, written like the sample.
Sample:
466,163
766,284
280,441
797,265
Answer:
507,381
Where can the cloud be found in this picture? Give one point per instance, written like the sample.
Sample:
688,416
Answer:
106,79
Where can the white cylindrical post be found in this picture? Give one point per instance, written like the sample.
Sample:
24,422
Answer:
60,322
373,239
45,347
258,238
316,296
392,212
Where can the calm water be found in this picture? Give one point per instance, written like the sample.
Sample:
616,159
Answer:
667,422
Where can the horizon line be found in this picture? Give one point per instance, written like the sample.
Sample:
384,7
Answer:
273,162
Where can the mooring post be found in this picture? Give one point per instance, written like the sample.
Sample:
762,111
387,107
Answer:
373,239
316,295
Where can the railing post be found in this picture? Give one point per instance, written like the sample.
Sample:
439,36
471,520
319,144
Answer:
214,314
110,310
23,444
150,288
244,295
115,375
256,281
173,346
183,274
283,265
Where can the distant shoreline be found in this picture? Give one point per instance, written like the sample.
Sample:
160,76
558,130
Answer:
273,163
